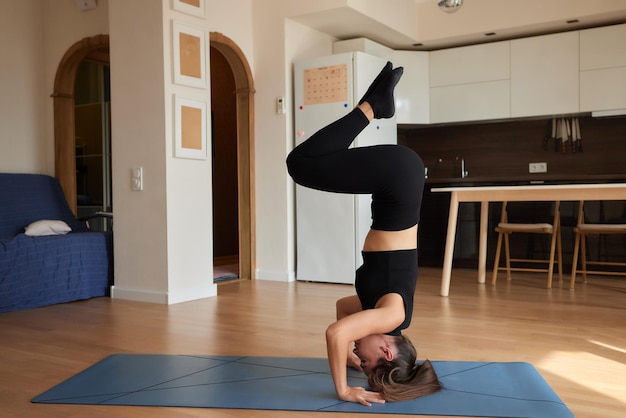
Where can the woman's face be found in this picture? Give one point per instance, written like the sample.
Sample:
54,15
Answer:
370,350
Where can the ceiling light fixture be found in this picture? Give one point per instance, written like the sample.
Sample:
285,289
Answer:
450,6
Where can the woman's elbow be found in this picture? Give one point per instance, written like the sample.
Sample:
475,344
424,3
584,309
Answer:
334,333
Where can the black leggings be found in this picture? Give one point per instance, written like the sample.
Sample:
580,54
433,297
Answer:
392,174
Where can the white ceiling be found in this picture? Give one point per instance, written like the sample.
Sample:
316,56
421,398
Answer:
504,19
499,22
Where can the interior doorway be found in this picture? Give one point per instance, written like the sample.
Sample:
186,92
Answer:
92,118
224,163
96,50
241,112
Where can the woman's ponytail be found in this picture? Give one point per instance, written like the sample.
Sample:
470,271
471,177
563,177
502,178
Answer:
403,378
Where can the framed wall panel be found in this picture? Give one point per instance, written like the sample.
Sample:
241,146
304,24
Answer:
189,54
190,124
192,7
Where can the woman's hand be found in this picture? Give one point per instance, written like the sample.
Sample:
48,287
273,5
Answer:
362,396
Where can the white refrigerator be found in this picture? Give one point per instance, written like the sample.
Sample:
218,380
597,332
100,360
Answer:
331,227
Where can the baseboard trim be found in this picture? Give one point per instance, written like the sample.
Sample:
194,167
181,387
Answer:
138,295
164,298
275,276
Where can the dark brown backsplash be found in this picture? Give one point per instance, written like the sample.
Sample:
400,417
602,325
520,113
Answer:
502,150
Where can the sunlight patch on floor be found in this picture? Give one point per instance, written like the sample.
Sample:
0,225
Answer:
579,367
610,347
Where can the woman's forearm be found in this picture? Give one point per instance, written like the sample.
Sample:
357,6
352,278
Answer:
337,340
347,306
337,347
341,333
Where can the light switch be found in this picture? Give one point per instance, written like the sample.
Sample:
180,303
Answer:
280,106
84,5
136,178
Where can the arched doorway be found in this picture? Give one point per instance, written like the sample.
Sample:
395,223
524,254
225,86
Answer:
244,91
95,48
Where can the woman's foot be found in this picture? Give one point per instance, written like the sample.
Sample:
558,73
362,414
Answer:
379,78
381,96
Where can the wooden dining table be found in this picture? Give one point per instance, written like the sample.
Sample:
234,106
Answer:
518,193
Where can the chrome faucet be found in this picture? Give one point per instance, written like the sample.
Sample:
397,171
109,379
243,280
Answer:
462,171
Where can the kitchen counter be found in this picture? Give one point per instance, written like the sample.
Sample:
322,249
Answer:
525,180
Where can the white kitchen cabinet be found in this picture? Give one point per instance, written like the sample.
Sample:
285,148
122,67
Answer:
412,93
602,90
470,64
603,47
470,102
470,83
544,75
603,68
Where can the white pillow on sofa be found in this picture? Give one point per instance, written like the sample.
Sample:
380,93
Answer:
47,227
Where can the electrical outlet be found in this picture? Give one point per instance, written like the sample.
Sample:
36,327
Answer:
136,179
538,167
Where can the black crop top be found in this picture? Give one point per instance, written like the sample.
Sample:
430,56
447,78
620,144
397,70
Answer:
385,272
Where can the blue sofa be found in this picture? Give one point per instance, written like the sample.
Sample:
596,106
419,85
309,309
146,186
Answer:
43,270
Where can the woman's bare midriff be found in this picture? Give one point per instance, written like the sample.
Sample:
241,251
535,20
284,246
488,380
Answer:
377,240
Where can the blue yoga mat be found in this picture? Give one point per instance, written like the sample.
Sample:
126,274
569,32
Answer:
478,389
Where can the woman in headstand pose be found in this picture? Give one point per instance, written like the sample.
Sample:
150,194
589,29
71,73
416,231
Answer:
367,334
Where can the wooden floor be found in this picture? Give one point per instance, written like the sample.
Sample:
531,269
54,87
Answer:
576,340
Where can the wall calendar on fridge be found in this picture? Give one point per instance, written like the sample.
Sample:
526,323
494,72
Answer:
326,84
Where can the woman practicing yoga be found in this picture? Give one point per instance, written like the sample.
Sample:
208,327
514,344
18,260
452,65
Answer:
367,333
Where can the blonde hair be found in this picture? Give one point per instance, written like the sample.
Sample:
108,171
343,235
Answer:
403,378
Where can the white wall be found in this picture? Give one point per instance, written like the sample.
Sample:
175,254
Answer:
398,14
189,182
34,36
164,234
270,77
64,25
277,42
233,18
138,140
22,146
